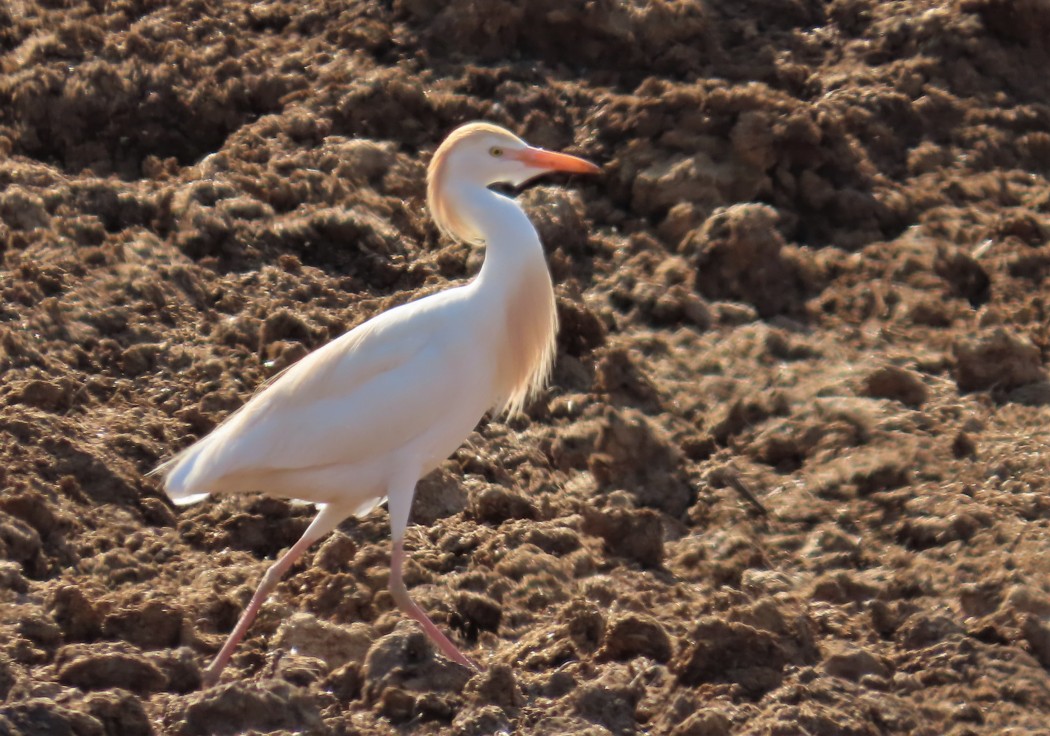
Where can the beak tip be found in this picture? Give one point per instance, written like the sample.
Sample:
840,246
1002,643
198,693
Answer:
559,162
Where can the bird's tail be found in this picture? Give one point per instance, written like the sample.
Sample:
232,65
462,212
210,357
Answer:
174,474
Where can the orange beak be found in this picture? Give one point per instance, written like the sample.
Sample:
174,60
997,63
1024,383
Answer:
549,160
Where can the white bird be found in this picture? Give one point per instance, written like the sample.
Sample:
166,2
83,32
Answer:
363,418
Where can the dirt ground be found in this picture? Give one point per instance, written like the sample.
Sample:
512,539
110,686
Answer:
814,273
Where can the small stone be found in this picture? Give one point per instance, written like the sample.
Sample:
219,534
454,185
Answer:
437,707
667,182
1032,394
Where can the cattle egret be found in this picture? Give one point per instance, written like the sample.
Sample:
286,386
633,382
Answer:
363,418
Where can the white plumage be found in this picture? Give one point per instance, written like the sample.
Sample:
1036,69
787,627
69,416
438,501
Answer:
367,415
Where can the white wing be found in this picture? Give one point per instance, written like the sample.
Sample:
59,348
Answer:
362,396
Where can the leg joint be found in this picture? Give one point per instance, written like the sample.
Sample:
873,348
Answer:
272,575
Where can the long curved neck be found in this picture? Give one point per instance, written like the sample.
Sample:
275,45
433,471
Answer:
515,278
512,244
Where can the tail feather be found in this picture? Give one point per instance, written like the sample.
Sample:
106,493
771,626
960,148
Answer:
174,474
188,500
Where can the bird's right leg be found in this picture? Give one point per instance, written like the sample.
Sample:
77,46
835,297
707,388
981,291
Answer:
325,521
400,504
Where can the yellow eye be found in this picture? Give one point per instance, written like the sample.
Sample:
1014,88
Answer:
496,151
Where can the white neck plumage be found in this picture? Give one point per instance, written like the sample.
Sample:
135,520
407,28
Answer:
515,275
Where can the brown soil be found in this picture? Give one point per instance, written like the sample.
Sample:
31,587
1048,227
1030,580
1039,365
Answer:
814,273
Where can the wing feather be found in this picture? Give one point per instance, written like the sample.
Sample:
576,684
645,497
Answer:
360,396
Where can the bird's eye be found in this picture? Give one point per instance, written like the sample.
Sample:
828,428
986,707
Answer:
495,151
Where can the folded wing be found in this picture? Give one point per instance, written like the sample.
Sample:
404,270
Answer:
362,396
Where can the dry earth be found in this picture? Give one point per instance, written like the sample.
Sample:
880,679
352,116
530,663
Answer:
815,271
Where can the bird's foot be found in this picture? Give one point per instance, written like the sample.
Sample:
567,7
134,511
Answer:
461,659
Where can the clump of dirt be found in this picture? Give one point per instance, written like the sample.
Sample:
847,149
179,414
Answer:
996,359
739,256
790,472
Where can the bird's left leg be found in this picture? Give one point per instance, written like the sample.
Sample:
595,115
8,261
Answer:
325,521
400,504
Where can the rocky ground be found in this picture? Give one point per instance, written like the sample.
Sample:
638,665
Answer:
791,473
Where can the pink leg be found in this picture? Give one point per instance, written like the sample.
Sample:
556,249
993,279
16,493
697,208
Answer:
406,604
323,523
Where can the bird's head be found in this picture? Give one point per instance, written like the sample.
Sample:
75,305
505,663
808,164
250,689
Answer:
484,154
